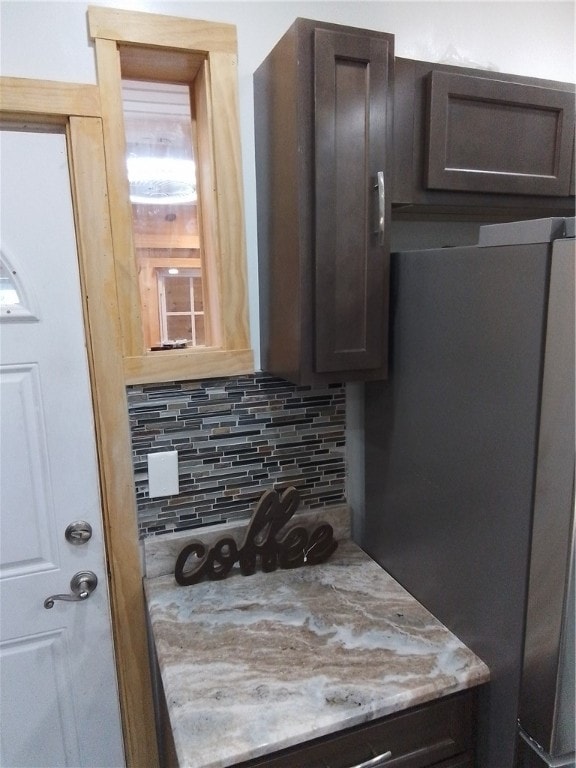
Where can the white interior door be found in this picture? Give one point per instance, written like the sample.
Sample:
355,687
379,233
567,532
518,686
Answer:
59,699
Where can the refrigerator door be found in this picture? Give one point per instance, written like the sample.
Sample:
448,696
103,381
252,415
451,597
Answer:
451,443
547,695
531,755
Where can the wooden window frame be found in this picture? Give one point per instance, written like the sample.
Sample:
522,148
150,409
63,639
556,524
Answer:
184,50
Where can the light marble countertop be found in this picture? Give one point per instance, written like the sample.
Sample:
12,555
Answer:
254,664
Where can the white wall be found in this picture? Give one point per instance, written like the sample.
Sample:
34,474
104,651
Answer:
49,40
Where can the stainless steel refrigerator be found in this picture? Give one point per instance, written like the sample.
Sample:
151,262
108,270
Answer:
469,470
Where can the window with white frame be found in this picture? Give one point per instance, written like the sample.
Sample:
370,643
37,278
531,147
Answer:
181,307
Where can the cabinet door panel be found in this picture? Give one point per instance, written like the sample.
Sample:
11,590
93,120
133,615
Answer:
351,87
489,135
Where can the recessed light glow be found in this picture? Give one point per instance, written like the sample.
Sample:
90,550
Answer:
161,181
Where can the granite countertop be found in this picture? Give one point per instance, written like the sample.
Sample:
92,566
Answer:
253,664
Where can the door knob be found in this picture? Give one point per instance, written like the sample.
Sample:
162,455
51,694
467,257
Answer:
82,585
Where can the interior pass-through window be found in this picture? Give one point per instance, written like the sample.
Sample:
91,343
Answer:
168,90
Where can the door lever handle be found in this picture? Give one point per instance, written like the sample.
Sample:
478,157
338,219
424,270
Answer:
82,585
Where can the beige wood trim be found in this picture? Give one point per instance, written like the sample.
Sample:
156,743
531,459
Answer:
48,99
150,310
149,302
109,80
229,191
113,439
173,365
161,31
169,66
180,263
208,208
150,240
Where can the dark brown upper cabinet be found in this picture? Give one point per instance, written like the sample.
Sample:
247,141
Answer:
476,141
323,129
493,136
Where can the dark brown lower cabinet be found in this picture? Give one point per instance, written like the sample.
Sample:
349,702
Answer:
461,761
440,734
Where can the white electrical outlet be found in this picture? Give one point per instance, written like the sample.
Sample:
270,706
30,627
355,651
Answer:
163,474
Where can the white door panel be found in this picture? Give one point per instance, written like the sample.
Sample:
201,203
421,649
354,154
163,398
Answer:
59,701
39,663
27,486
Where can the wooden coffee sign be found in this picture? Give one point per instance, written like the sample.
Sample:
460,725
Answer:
295,547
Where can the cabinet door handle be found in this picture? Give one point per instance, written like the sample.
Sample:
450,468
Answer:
381,206
375,762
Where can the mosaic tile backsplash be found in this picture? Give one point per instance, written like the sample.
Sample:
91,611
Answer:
236,437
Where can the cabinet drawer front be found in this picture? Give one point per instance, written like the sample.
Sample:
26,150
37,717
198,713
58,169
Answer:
417,738
351,106
489,135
